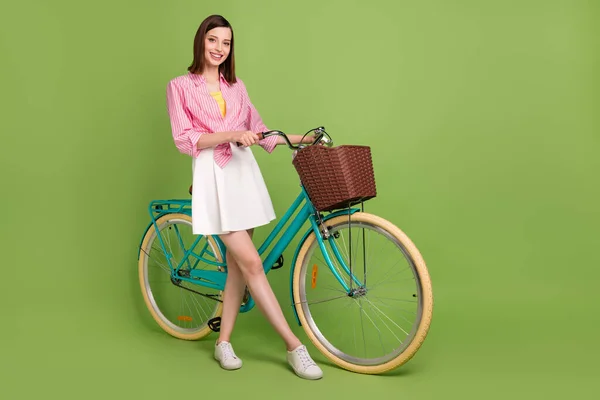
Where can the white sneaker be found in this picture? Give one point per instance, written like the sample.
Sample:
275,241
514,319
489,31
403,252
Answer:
226,356
302,364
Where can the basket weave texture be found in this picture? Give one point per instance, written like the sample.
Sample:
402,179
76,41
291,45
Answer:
336,177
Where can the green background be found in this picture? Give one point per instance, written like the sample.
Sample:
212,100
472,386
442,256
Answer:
483,121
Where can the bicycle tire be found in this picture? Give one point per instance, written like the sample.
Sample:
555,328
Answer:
304,313
157,314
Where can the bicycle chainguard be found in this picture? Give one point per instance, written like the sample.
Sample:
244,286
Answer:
279,263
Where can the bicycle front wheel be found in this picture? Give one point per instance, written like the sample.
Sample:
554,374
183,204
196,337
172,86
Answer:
380,321
181,308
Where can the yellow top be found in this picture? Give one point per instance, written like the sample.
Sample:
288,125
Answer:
219,98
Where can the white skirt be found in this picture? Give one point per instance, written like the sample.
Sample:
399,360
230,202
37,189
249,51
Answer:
229,199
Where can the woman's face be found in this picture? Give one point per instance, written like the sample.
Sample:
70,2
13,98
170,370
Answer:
217,44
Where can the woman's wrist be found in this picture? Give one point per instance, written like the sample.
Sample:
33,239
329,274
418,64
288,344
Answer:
215,139
308,139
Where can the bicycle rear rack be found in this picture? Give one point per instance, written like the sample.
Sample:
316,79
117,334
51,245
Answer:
161,207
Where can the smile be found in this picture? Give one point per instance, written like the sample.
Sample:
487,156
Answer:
217,57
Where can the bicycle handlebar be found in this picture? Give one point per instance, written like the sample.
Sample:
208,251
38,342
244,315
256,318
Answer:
319,137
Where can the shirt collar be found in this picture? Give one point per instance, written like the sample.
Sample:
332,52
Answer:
198,79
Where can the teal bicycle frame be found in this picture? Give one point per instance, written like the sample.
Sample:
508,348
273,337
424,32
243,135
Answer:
216,279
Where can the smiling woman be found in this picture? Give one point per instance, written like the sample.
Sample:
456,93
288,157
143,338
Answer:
213,47
210,113
218,43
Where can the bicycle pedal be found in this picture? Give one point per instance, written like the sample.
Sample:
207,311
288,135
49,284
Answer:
214,324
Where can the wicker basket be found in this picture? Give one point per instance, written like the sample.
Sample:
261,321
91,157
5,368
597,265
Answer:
336,177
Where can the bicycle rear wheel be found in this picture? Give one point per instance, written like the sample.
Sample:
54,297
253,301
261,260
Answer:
381,322
174,303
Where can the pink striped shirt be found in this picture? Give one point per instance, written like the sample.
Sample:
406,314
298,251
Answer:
194,112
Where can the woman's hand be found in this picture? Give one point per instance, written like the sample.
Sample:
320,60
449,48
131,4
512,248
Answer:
246,138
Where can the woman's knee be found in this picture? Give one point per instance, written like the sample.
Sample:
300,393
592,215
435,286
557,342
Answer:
251,265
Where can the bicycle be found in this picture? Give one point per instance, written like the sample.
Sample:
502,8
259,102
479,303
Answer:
325,273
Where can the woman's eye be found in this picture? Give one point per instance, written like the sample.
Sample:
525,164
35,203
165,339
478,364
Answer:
211,40
227,44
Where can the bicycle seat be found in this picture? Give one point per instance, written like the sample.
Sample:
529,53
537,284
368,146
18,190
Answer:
191,189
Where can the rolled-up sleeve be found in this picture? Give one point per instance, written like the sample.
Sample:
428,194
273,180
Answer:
184,135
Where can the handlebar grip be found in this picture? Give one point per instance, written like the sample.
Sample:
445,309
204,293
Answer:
260,135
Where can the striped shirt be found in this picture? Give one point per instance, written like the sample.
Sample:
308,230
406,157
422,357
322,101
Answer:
194,112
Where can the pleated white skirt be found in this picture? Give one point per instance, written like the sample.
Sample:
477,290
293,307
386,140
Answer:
229,199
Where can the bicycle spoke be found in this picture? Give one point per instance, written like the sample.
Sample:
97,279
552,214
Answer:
346,259
395,306
189,303
166,269
195,300
362,326
387,283
181,297
185,304
154,259
372,322
371,254
379,251
390,269
348,253
198,308
389,298
168,244
322,301
356,247
334,289
380,338
388,318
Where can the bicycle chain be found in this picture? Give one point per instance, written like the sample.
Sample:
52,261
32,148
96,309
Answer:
210,296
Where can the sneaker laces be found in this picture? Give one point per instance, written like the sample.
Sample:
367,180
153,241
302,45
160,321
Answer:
304,358
227,350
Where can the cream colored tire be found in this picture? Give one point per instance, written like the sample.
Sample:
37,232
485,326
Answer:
426,296
187,334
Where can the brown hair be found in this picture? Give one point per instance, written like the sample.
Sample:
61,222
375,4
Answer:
228,66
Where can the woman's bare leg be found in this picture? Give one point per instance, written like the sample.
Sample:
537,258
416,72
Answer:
235,287
249,266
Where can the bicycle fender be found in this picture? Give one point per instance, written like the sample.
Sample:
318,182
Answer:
297,251
142,239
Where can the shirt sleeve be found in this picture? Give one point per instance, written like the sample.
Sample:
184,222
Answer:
184,136
256,124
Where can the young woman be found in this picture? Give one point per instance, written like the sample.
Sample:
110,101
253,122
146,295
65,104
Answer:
210,111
